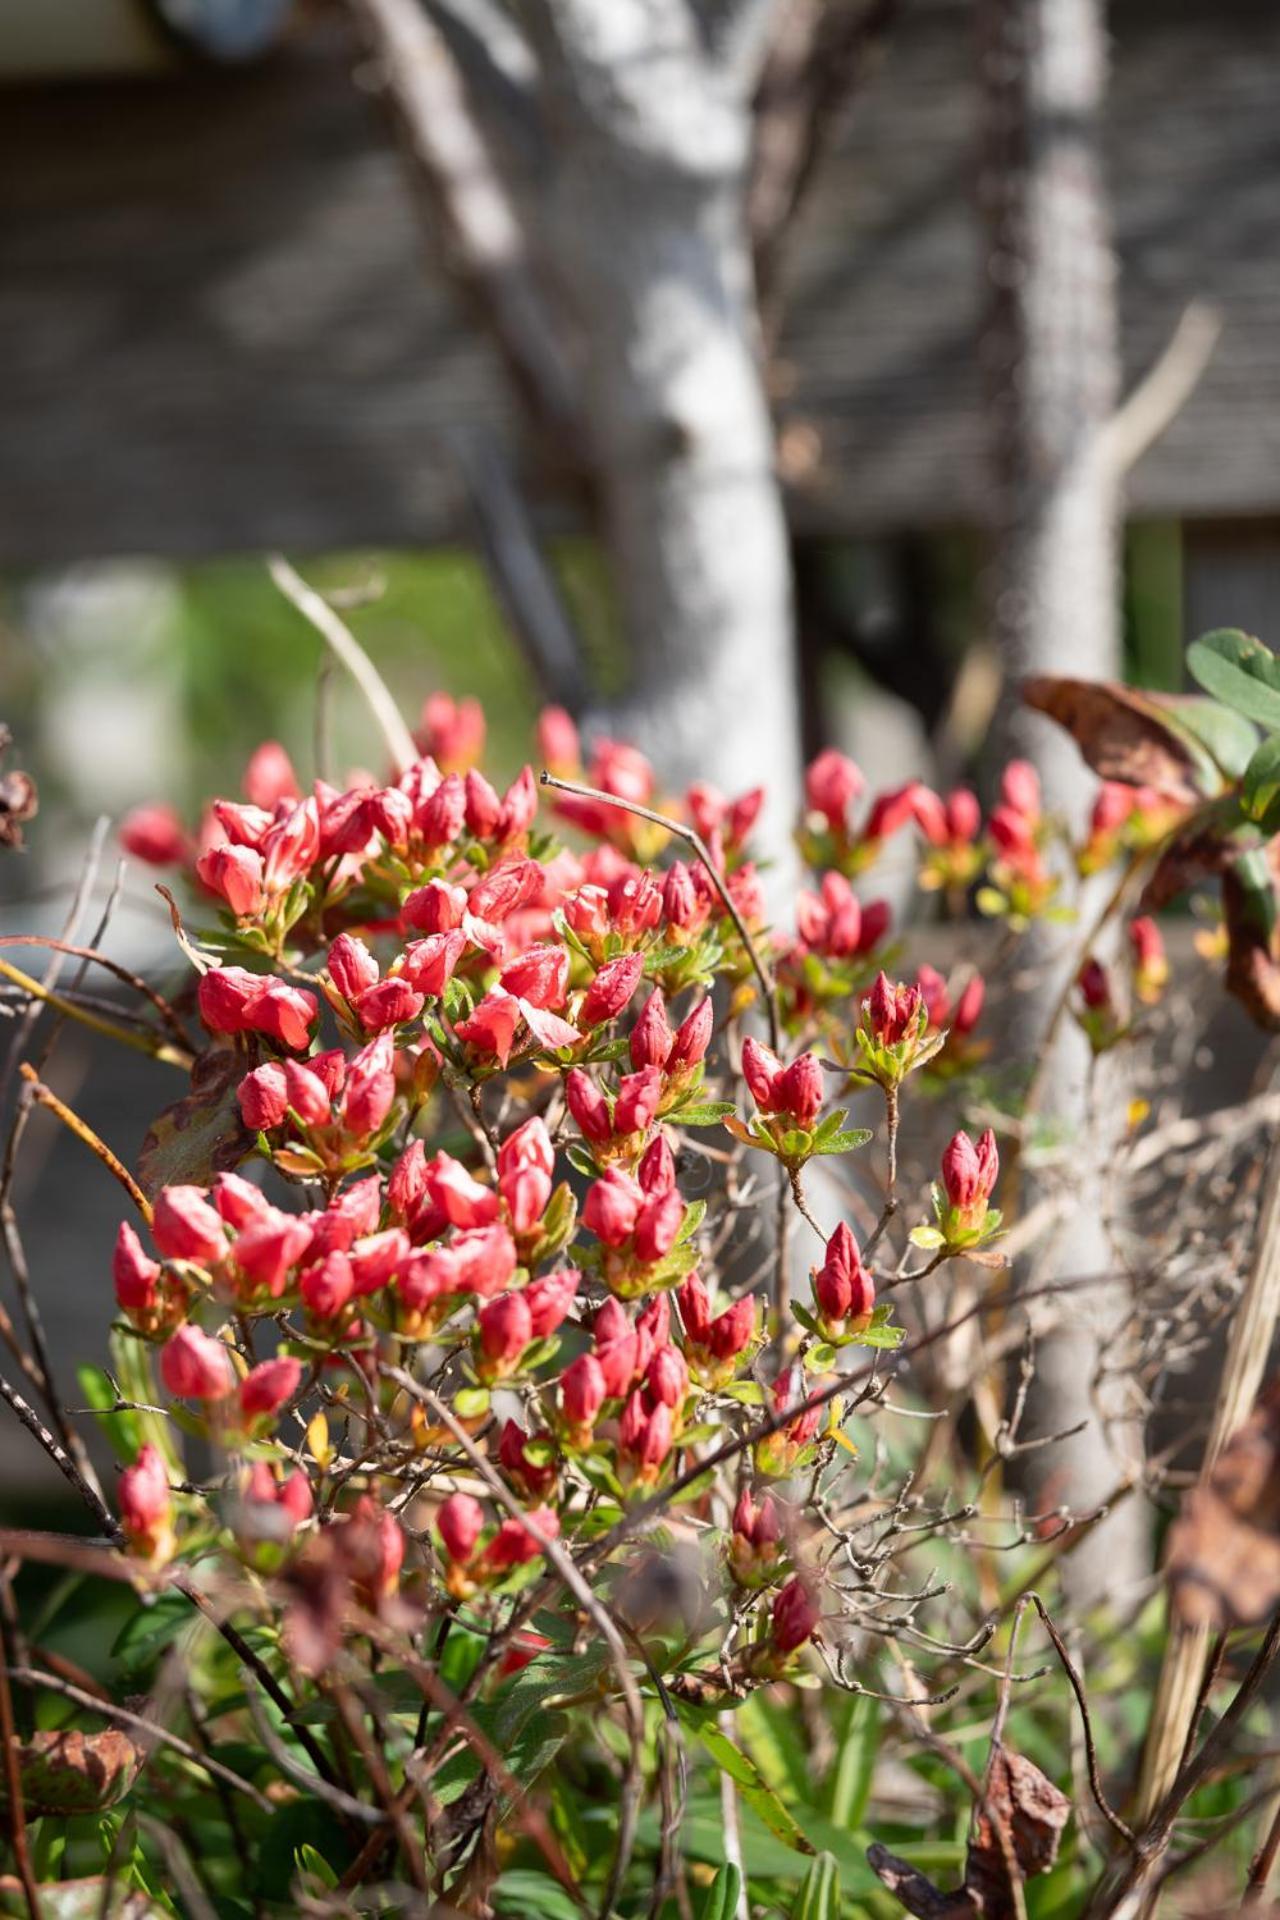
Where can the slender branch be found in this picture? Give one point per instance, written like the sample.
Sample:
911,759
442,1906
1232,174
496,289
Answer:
1103,1805
148,1043
15,1809
338,636
61,1458
768,987
1162,393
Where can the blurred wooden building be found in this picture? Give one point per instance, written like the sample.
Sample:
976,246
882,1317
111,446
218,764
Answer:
221,327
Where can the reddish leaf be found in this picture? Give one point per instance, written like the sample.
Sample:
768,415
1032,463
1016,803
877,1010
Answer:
1123,734
67,1771
202,1134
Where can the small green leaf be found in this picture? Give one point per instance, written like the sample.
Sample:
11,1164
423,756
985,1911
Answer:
1240,671
926,1237
754,1789
723,1895
470,1403
709,1114
844,1142
819,1895
1261,783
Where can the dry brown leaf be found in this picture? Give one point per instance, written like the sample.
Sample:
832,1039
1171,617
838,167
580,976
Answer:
203,1133
1122,734
66,1770
1016,1834
1224,1547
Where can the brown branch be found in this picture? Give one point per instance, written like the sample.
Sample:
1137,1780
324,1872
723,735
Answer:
16,1810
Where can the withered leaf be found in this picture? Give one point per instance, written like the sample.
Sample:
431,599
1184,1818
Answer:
203,1133
19,801
1016,1834
66,1770
1124,735
1224,1548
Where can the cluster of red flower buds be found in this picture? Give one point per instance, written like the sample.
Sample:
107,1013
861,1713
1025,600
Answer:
962,1206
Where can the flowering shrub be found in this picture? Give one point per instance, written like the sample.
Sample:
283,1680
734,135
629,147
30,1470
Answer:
468,1371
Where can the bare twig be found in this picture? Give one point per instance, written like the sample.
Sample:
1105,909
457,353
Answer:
338,636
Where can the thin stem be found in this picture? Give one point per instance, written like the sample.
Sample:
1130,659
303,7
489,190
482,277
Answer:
336,635
141,1043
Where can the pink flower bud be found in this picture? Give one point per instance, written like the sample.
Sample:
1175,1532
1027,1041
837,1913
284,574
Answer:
889,813
667,1377
695,1308
683,904
377,1550
588,1106
145,1503
440,819
519,806
463,1201
969,1171
430,964
653,1329
238,1201
195,1366
486,1260
505,889
611,1208
830,786
790,1389
492,1028
657,1170
651,1037
762,1071
460,1522
185,1227
235,875
933,991
930,815
584,1390
269,776
483,808
800,1090
693,1037
389,1004
636,1106
352,968
296,1498
327,1287
611,989
243,826
435,908
964,816
262,1097
531,1477
657,1226
616,1348
732,1331
551,1300
540,975
525,1193
136,1276
759,1524
371,1087
968,1009
1020,789
154,834
361,1205
529,1146
505,1328
285,1014
513,1545
268,1386
635,904
558,745
268,1247
407,1188
842,1286
893,1011
795,1616
375,1258
306,1094
291,847
224,997
645,1433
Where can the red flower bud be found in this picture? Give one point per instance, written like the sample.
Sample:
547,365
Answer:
154,834
513,1544
460,1522
269,776
306,1094
588,1106
483,808
667,1377
657,1227
1020,789
762,1071
492,1027
195,1366
1095,986
235,875
352,968
145,1503
968,1009
530,1476
525,1192
430,964
262,1097
969,1171
651,1037
842,1286
327,1287
645,1433
657,1170
539,975
435,908
291,847
505,889
439,818
636,1106
268,1247
463,1201
136,1276
653,1329
584,1390
611,1208
800,1090
238,1201
617,1347
695,1308
964,816
268,1386
375,1258
550,1300
185,1226
893,1011
486,1260
505,1328
830,785
683,904
635,904
529,1146
371,1087
795,1616
732,1331
692,1038
611,989
558,742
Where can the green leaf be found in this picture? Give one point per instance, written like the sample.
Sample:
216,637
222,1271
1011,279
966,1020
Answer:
754,1789
470,1402
926,1236
874,1336
1228,736
855,1765
146,1636
723,1895
123,1430
1261,782
309,1860
1240,671
819,1895
521,1892
844,1142
709,1114
694,1214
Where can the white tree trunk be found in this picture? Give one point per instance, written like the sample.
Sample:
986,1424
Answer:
1052,364
652,131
